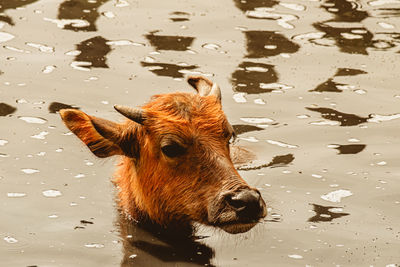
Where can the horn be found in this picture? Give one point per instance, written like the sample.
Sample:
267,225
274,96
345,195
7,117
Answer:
134,114
215,90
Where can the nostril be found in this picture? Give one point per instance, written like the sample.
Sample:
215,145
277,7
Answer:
245,201
236,203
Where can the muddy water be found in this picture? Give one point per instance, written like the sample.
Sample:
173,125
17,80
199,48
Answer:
312,88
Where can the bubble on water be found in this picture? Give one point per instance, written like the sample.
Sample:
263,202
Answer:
360,91
73,53
53,216
36,120
30,171
81,65
51,193
316,176
251,139
94,245
256,120
10,239
61,23
124,43
240,97
295,256
3,142
336,196
16,195
59,150
303,116
41,47
49,69
211,46
386,25
108,14
381,163
5,37
89,163
281,144
40,135
380,118
292,6
73,204
275,86
79,175
41,154
259,101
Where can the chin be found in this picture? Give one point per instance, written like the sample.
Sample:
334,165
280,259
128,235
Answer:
237,228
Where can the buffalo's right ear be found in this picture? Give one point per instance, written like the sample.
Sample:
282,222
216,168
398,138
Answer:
100,135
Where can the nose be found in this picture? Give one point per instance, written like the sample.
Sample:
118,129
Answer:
248,204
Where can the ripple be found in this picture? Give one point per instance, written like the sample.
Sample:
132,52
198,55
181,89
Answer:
281,144
345,119
29,171
10,239
292,6
326,213
124,43
93,51
265,13
380,118
16,195
166,69
257,120
69,23
41,47
350,149
94,245
244,128
5,37
167,42
239,97
49,69
3,142
6,109
35,120
41,135
211,46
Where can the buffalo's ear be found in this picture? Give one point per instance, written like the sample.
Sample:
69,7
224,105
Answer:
204,86
100,135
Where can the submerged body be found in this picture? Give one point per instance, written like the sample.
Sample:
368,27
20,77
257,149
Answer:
176,167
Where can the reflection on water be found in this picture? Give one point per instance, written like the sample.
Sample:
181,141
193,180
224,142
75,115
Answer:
343,10
151,246
248,5
93,50
84,10
277,161
262,44
349,72
245,128
326,213
12,4
249,77
167,42
6,109
179,16
349,149
54,107
332,86
167,69
345,119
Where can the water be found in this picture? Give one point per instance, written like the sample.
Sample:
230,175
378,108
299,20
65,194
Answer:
310,87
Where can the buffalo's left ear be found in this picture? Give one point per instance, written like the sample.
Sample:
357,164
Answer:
102,136
204,86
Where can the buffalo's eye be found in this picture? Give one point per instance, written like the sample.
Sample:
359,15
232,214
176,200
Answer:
173,150
232,139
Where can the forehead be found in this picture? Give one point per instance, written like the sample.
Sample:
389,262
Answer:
186,112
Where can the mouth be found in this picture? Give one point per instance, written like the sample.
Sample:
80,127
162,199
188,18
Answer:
237,228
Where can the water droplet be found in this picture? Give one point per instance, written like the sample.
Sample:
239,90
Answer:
79,175
381,163
59,150
337,195
36,120
53,216
316,176
30,171
16,195
51,193
211,46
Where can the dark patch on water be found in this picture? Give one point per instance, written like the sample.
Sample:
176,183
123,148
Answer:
328,86
346,11
249,75
179,16
54,107
248,5
12,4
167,42
354,40
277,161
261,44
77,9
94,50
168,70
85,222
6,109
350,149
349,72
244,128
323,213
345,119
